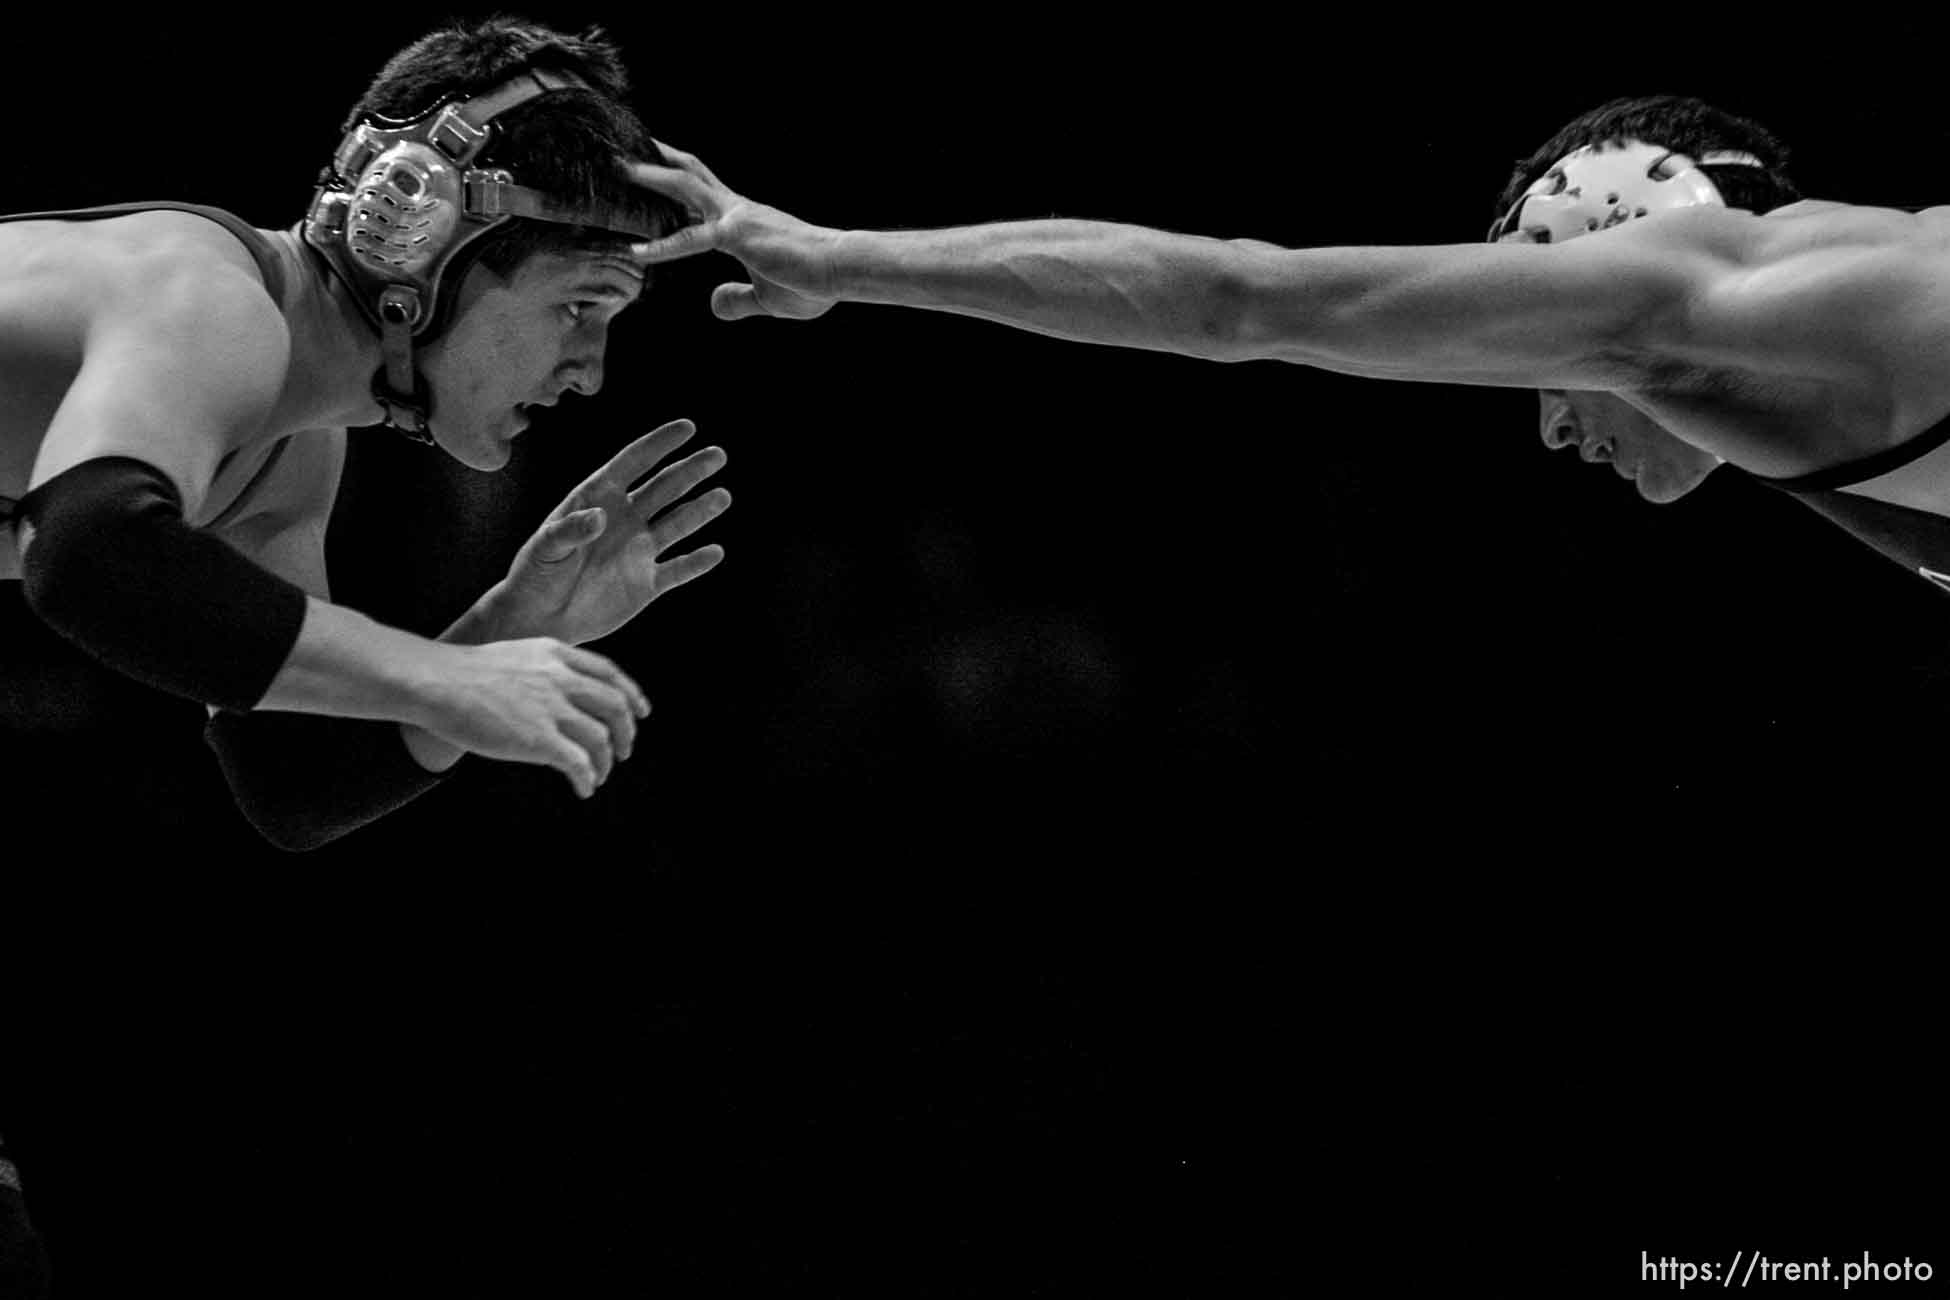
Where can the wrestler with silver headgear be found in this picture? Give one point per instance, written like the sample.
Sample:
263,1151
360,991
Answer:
1650,272
181,384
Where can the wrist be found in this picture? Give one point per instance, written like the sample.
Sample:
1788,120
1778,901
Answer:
428,750
427,680
424,678
491,618
849,258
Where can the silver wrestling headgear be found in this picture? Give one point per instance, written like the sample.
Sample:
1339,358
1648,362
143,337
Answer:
401,200
1595,188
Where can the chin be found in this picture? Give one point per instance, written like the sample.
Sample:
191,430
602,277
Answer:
1664,486
490,458
474,448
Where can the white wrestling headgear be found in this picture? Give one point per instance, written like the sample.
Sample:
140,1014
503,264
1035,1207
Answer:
1596,188
402,198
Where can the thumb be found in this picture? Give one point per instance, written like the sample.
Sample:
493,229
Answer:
735,302
561,538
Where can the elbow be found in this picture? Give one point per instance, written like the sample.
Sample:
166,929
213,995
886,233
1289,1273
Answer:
55,570
1245,316
1222,316
289,834
282,822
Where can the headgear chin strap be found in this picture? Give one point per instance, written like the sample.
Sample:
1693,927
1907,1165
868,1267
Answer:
401,199
1595,188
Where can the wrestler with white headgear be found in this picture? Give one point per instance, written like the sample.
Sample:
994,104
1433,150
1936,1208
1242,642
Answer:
1650,273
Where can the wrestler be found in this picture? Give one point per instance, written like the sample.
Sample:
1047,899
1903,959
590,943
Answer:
1652,272
178,388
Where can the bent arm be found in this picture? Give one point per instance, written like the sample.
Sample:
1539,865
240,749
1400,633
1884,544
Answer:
304,781
174,379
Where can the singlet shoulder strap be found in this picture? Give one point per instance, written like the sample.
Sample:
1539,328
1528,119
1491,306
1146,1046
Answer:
268,264
1861,471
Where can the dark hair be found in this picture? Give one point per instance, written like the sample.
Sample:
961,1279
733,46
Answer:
1689,126
565,143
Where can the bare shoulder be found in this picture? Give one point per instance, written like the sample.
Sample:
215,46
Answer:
1830,321
149,336
187,319
91,262
162,288
1816,225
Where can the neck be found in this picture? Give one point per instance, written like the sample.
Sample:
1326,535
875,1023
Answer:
334,348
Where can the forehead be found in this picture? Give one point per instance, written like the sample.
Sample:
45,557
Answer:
602,273
1610,154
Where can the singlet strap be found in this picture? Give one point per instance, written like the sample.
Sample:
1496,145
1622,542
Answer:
268,264
1861,471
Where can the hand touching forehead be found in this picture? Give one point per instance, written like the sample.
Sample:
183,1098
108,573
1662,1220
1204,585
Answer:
603,274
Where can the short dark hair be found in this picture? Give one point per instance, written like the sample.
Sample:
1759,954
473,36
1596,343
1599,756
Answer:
565,143
1690,126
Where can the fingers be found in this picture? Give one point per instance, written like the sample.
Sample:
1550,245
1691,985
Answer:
593,740
641,456
688,518
672,574
690,162
615,712
693,191
591,664
573,761
605,728
688,242
603,731
678,479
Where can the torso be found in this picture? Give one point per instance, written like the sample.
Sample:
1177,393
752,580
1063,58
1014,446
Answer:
54,276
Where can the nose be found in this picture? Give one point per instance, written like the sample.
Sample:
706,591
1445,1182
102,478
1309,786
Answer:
1560,433
584,374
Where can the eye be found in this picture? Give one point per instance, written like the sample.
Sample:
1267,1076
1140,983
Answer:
577,311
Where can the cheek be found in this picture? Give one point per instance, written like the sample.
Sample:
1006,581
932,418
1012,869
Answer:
501,358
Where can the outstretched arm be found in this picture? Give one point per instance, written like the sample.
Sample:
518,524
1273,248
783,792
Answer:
1704,287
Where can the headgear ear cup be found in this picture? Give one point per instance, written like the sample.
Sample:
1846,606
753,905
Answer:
398,219
1596,188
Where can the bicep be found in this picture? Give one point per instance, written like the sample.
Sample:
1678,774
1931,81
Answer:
1871,316
1586,314
175,384
1507,316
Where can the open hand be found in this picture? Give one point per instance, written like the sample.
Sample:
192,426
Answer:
598,560
790,262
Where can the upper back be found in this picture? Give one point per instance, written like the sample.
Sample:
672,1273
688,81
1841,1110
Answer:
70,283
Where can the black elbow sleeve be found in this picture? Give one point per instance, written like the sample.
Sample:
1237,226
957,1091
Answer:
115,568
304,780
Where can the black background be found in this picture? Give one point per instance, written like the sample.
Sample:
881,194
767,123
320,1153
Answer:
1114,822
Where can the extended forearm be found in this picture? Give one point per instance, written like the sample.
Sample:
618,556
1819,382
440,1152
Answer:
1090,281
1474,314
